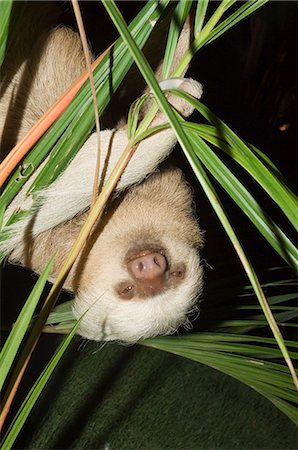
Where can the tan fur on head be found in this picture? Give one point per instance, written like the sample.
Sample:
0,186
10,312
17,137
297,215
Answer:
139,273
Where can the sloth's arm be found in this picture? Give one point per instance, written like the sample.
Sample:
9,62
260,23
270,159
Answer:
71,192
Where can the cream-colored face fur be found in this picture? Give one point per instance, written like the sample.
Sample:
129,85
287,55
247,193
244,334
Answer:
139,273
110,317
155,218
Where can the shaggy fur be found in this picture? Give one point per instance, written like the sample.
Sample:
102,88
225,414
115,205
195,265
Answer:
126,298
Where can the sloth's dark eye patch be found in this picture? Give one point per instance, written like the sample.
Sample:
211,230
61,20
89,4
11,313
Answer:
126,290
177,273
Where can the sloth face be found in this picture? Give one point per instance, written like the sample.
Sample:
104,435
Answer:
142,275
148,290
139,274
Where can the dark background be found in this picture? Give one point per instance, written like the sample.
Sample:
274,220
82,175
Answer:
137,398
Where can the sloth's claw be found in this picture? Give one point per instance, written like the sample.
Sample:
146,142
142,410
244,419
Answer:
188,85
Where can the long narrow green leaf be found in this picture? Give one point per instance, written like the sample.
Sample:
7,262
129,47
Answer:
133,115
224,5
35,392
282,298
224,337
19,329
5,14
179,17
227,303
243,326
212,134
288,409
285,407
195,345
2,211
200,16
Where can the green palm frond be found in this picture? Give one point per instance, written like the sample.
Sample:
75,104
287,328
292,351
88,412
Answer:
250,359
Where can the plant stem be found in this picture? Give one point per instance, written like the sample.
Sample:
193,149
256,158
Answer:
82,32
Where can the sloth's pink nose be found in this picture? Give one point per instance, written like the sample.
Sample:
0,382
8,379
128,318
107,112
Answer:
148,267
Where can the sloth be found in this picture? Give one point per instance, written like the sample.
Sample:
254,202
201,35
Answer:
139,274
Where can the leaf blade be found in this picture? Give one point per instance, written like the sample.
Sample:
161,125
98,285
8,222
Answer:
14,340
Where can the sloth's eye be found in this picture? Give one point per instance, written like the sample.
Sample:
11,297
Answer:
178,272
126,290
